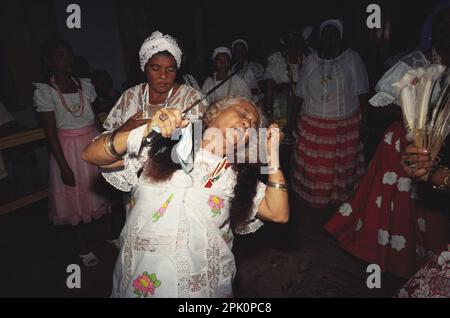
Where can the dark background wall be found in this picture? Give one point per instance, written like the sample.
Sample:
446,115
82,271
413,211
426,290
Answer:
113,30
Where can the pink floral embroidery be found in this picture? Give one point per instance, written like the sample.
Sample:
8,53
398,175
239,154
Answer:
160,213
145,285
216,204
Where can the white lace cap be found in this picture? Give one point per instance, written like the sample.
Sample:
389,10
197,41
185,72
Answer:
221,49
239,41
337,23
158,42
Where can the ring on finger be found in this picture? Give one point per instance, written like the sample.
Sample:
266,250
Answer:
163,116
413,168
408,162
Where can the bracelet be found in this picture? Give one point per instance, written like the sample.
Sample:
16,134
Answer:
446,182
110,145
279,186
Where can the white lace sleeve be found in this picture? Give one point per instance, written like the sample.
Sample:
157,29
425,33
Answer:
253,223
125,178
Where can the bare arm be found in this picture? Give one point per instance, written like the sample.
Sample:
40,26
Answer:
275,204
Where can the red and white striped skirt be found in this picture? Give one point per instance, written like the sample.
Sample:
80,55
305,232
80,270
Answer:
328,159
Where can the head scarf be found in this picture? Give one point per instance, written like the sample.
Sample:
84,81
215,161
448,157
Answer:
239,41
221,49
158,42
337,23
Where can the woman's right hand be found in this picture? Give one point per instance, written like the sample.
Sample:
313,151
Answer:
416,162
168,120
68,177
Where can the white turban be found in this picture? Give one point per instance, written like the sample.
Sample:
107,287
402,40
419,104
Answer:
221,49
337,23
239,41
157,42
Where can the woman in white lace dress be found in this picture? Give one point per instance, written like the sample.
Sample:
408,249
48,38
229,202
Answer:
178,237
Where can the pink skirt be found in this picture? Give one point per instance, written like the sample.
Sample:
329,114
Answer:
71,205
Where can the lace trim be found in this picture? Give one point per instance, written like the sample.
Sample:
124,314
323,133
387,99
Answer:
253,224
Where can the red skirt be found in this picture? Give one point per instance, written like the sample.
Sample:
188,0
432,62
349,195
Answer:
384,223
328,160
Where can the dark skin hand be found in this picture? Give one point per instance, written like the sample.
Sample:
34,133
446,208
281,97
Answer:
416,162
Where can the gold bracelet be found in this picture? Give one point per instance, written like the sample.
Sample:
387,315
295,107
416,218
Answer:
110,145
278,186
446,182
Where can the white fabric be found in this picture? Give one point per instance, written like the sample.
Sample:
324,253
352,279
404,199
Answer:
348,80
239,41
187,247
191,81
251,73
158,42
276,68
221,49
386,93
338,24
129,104
46,99
234,87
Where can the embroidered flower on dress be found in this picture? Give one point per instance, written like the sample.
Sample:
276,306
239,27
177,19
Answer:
422,225
216,205
404,184
389,178
145,285
383,237
160,213
359,225
388,137
398,242
345,209
444,260
397,145
378,201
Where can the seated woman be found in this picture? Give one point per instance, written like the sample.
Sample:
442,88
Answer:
178,236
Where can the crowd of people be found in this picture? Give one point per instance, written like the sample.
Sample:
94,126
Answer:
181,216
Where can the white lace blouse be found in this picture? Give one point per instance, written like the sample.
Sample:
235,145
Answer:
330,88
129,104
46,99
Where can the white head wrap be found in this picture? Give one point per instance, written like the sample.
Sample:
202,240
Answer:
221,49
157,42
239,41
306,32
337,23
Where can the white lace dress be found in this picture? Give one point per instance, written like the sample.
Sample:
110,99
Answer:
177,239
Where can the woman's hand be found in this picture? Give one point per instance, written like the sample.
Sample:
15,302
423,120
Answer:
273,140
416,162
68,177
167,120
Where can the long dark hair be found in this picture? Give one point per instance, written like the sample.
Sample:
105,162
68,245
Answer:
160,167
